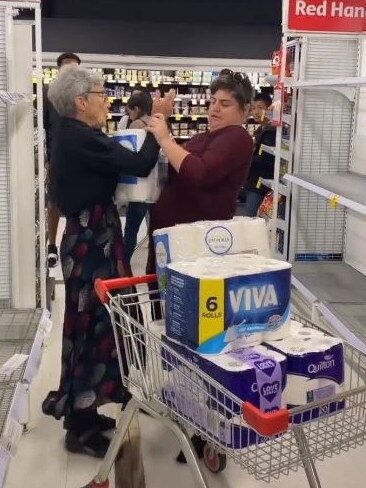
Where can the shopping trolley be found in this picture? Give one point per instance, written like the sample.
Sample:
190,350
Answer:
172,389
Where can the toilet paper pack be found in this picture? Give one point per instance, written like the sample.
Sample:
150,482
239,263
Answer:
133,188
208,238
255,374
315,371
221,303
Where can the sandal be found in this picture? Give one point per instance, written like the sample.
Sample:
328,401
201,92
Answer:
90,442
198,444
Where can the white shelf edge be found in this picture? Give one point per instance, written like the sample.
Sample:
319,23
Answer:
287,119
285,154
269,149
346,202
281,224
282,189
354,81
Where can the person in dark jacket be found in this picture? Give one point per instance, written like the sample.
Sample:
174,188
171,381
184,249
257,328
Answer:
86,165
262,165
51,122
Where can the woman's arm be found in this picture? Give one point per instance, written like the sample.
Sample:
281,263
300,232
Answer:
175,153
105,155
226,151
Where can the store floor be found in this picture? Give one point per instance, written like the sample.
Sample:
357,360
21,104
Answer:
42,462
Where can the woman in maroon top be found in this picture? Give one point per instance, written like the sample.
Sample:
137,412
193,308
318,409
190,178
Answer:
206,174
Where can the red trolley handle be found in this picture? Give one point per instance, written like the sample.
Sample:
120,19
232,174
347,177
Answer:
102,287
266,424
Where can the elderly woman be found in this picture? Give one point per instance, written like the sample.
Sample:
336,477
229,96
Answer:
86,167
206,174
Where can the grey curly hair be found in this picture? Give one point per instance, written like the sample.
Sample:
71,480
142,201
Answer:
72,81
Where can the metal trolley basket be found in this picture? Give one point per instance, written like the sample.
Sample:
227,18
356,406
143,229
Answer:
176,392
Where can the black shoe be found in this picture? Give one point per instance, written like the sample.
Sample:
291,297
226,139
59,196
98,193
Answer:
52,256
49,405
83,420
198,444
90,442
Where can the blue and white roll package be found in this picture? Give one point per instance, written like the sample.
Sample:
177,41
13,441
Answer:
133,188
255,374
222,303
208,238
315,370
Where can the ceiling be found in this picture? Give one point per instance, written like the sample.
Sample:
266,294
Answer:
228,12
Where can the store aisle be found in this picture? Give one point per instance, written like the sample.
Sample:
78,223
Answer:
42,462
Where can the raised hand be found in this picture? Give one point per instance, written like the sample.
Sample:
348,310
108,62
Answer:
163,105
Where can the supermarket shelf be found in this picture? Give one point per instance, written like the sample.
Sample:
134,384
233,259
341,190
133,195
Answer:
189,116
285,154
19,324
268,149
344,188
271,79
353,81
270,183
338,291
155,83
287,118
281,224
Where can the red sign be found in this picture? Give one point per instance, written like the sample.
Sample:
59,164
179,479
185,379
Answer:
327,16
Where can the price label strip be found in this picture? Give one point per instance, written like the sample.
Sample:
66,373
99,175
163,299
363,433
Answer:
4,464
45,324
19,405
34,357
12,433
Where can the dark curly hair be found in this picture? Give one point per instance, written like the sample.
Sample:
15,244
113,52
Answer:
237,83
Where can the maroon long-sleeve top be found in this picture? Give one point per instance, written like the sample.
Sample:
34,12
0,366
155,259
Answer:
209,179
208,182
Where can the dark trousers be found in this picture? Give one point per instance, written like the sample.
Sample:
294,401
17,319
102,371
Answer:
135,214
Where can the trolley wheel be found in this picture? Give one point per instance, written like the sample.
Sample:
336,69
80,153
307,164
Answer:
215,461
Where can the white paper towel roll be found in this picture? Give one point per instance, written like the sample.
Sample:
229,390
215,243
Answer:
224,298
132,188
315,368
209,238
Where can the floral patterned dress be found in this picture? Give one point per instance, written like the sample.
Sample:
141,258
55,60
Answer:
92,247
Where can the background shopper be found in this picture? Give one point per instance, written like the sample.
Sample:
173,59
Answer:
51,122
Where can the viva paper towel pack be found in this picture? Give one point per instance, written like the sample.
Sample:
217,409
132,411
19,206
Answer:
208,238
315,370
133,188
256,374
222,303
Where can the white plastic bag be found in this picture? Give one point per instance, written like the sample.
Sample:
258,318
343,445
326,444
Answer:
133,188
